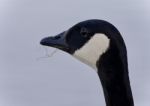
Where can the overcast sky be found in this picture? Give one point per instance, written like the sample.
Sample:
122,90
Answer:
26,80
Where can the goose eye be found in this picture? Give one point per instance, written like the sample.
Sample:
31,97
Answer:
84,32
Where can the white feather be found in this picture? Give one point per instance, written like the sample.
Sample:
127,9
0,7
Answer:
90,52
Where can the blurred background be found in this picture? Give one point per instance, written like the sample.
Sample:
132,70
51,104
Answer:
60,80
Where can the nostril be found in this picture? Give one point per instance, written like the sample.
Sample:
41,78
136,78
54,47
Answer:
57,37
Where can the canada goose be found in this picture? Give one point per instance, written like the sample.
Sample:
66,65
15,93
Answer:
99,44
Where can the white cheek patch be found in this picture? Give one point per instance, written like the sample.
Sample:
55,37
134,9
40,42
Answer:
90,52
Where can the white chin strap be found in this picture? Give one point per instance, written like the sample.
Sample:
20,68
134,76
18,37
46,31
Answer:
91,51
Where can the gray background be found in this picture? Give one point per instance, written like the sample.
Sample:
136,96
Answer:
26,80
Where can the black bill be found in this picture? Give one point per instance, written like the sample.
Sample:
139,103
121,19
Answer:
58,41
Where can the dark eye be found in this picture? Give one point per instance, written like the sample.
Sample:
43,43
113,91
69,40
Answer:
84,32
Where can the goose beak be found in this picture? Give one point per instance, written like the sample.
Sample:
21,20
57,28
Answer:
58,41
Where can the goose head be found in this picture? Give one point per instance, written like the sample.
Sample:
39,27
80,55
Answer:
99,44
87,41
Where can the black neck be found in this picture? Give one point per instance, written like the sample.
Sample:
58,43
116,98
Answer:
113,73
